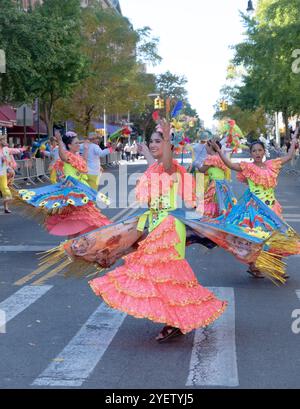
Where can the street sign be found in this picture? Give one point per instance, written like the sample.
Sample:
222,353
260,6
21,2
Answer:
24,116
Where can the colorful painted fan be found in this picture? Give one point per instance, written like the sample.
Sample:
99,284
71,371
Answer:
71,192
254,217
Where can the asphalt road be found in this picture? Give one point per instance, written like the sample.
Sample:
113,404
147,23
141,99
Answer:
59,335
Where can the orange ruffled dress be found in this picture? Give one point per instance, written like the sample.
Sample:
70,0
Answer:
155,281
217,171
262,181
75,220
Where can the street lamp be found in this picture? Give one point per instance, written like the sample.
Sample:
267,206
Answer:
250,8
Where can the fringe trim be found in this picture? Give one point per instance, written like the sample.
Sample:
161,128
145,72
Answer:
271,266
56,260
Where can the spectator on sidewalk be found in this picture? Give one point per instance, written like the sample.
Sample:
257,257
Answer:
26,154
134,151
53,154
127,151
5,162
92,152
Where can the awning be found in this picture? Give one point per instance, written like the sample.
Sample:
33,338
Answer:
30,131
7,116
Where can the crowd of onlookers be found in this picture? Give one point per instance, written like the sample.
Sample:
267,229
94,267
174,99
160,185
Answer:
129,152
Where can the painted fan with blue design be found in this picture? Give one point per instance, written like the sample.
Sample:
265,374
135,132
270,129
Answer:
71,192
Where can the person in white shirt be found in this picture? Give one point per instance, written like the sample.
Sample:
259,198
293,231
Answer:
92,152
134,151
53,154
127,151
199,150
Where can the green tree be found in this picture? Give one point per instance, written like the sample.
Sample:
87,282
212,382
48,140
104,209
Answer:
116,80
43,57
56,53
172,86
267,55
15,35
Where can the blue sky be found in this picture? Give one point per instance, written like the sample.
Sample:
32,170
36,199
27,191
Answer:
195,36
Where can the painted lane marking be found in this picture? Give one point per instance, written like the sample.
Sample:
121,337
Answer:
214,361
25,248
79,358
21,300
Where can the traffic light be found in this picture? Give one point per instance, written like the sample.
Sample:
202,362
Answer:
224,105
159,103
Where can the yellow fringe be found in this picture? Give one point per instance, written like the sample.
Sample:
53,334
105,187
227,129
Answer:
285,244
270,263
272,266
57,260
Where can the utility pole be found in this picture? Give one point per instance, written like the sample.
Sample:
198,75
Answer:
105,127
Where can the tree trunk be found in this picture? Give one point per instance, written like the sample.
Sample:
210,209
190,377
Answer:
88,119
47,114
286,123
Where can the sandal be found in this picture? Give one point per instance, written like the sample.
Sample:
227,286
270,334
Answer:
167,333
255,274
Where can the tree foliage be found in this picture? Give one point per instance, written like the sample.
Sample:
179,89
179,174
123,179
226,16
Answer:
172,86
116,79
44,61
267,55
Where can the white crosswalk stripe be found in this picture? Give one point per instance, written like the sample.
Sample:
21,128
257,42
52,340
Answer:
213,360
25,248
21,300
217,366
290,220
79,358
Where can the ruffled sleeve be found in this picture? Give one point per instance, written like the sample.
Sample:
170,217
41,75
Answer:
215,161
77,162
275,165
267,177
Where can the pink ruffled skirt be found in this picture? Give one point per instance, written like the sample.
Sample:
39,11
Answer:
157,284
76,220
209,206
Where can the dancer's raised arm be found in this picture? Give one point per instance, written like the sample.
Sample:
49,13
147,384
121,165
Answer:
292,149
167,152
227,161
61,147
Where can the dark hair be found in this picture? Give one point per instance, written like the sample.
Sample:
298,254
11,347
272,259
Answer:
67,140
217,142
257,143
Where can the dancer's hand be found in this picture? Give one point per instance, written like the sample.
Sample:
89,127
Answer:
294,143
142,148
58,136
166,129
215,146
